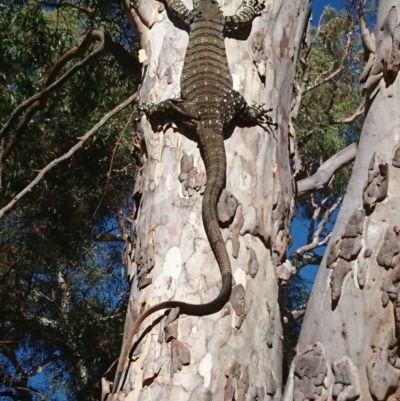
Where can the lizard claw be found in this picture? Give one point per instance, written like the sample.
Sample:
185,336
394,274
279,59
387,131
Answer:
264,117
257,5
145,108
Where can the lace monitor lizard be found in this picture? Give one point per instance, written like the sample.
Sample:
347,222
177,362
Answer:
210,103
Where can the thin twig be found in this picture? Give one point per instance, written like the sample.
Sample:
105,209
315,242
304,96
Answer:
82,140
128,63
315,243
112,160
341,66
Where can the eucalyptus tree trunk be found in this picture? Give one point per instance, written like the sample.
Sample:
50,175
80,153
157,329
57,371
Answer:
235,354
348,347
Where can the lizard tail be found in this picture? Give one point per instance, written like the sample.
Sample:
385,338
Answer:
215,161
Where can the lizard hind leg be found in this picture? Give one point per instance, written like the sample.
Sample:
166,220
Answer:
235,105
184,109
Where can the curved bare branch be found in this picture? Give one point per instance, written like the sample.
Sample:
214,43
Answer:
325,172
65,156
295,315
127,62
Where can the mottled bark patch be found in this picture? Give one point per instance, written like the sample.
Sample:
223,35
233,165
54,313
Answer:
237,382
284,272
227,206
340,271
376,187
383,51
189,176
145,262
235,228
344,251
238,301
333,253
252,265
180,355
383,378
388,255
346,380
396,157
310,370
363,263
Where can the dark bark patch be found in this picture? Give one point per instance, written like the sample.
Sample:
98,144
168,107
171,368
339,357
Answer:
284,272
382,376
189,176
180,355
333,254
354,226
237,384
388,254
350,247
272,385
346,380
144,282
271,331
151,257
396,157
227,206
137,351
367,252
257,393
252,264
310,370
376,187
340,271
171,324
363,264
171,331
235,228
152,370
238,301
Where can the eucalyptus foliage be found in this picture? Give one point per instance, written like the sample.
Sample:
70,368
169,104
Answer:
63,292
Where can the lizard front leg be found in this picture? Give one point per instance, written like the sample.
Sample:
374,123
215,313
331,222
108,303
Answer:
180,10
245,15
235,105
170,109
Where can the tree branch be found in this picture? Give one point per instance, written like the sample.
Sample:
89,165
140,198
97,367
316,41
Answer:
52,164
315,242
325,172
341,65
110,238
359,112
367,37
112,161
295,315
128,63
307,258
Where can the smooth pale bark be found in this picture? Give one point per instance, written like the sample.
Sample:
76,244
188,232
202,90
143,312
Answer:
347,347
236,353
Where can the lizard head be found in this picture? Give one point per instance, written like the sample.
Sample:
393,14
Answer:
209,9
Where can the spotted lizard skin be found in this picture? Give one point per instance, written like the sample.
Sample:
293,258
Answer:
210,103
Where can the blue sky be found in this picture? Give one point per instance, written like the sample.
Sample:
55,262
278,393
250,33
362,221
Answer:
318,6
299,229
